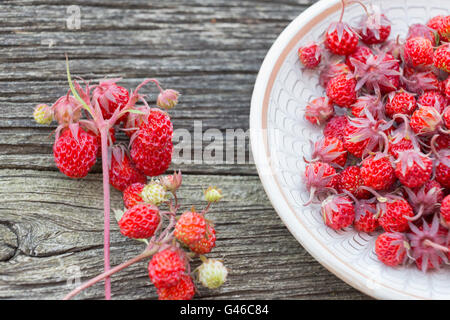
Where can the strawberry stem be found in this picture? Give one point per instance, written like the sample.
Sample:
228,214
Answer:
106,207
105,275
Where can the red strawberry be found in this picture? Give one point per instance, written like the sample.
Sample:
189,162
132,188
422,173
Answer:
166,268
445,209
418,82
361,54
341,39
366,219
426,120
370,103
443,170
394,213
152,147
183,290
400,102
390,248
131,195
75,156
335,127
310,55
110,97
433,98
377,172
446,88
446,117
319,177
319,111
418,52
426,242
190,227
140,221
205,244
350,180
444,29
341,90
413,168
330,150
330,71
338,211
122,172
435,22
374,28
441,58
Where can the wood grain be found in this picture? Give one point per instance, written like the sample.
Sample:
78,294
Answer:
210,50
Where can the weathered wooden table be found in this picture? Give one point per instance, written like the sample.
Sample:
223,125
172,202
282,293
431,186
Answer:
210,50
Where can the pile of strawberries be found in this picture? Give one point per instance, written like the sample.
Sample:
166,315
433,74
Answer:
88,120
384,159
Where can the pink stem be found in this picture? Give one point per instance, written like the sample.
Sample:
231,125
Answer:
106,206
107,274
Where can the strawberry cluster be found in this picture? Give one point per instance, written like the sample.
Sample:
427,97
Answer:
88,120
383,162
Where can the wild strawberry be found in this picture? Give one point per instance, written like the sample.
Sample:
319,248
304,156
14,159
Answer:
167,267
350,180
335,127
67,110
134,120
445,209
441,58
424,200
435,22
377,172
319,177
310,55
167,99
418,82
426,120
110,97
140,221
212,273
154,193
361,54
402,139
340,39
190,227
363,135
390,248
43,114
400,102
206,243
446,117
341,90
379,73
330,150
75,152
446,88
212,195
152,147
421,30
330,71
338,211
132,195
441,142
370,103
122,171
319,110
428,245
433,98
413,168
395,213
443,169
366,217
418,52
183,290
374,28
444,29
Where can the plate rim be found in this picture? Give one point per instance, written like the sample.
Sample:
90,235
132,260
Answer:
260,147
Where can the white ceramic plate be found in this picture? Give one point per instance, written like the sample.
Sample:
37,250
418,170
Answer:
280,137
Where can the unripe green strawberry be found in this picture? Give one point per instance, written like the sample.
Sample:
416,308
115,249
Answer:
43,114
212,273
212,194
154,193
